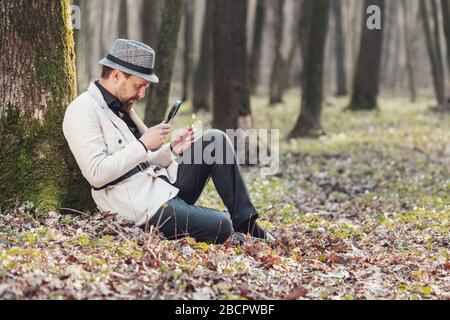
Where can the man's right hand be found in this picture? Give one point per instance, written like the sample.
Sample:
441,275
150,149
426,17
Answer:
154,137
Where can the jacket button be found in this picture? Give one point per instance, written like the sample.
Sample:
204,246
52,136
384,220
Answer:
120,141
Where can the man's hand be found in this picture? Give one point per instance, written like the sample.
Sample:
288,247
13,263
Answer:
154,137
183,140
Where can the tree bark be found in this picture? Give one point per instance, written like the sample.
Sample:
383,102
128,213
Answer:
149,23
446,25
123,19
341,74
437,41
37,82
278,63
158,99
231,94
188,47
408,52
432,54
203,71
287,68
255,58
366,83
308,124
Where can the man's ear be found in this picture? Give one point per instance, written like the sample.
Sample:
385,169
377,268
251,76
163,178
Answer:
116,75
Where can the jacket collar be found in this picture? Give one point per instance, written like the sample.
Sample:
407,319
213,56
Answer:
94,91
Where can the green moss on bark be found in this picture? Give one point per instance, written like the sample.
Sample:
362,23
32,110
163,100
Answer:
37,164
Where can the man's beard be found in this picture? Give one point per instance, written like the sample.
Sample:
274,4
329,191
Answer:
130,102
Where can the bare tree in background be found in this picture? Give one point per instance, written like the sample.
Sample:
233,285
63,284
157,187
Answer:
123,20
366,82
158,99
37,82
278,63
203,71
188,47
149,22
255,57
445,4
341,74
408,52
308,123
231,94
433,55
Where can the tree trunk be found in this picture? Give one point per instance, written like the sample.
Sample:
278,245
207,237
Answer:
278,63
432,54
408,51
446,24
308,124
437,41
367,78
231,94
188,47
203,72
341,74
255,58
158,99
81,43
123,19
287,68
149,23
37,82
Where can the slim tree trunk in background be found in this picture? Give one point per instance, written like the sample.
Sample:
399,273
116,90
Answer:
341,74
158,99
123,19
285,79
437,41
366,83
231,95
408,51
446,25
203,71
188,47
255,57
81,47
37,82
149,23
278,64
308,124
432,54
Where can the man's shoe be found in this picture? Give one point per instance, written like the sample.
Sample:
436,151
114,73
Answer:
255,231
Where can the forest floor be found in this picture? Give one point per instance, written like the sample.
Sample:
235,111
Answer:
361,213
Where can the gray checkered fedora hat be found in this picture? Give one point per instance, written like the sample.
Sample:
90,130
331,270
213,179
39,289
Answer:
132,57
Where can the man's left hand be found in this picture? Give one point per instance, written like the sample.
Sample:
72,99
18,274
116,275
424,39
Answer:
183,140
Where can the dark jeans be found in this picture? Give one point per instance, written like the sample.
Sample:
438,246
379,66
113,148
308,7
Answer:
181,217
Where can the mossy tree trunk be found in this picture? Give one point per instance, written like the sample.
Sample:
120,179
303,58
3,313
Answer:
203,70
38,81
158,99
308,124
366,83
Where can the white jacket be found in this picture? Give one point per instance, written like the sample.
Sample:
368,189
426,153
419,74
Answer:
106,149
